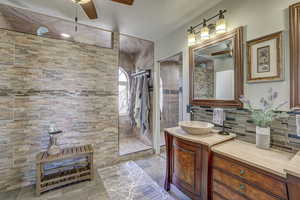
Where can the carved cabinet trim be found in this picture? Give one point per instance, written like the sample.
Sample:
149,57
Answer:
187,167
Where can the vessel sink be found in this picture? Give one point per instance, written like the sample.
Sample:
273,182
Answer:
196,127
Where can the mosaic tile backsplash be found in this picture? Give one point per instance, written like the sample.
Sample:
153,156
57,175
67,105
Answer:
283,131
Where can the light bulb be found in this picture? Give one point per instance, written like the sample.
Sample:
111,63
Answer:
191,38
81,1
221,26
65,35
204,33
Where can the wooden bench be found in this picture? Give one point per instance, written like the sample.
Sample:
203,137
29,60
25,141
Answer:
79,168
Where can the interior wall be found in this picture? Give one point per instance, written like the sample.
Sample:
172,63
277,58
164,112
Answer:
259,18
25,21
126,61
45,81
145,59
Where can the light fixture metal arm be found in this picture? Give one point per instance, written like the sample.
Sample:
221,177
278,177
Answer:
221,12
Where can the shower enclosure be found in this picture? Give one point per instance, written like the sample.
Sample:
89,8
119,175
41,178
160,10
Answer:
136,60
170,93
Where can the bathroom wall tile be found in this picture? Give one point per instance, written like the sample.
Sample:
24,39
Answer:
47,81
245,129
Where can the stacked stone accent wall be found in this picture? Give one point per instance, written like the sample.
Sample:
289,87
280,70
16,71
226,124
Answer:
283,131
46,80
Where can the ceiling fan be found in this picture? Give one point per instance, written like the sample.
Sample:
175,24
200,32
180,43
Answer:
89,7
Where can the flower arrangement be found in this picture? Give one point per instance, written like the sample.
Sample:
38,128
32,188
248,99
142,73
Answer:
268,111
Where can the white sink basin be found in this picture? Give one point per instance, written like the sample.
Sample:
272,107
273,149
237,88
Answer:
196,127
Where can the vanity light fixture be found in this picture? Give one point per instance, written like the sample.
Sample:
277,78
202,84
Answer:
65,35
81,1
42,30
191,37
221,23
205,30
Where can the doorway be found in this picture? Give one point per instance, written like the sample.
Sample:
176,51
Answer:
136,62
171,99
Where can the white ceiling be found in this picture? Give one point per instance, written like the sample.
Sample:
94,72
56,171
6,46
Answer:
147,19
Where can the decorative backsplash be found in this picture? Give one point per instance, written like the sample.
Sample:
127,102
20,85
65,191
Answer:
283,131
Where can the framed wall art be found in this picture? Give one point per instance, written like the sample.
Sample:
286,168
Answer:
265,59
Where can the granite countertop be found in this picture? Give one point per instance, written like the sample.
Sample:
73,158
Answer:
208,140
273,161
294,166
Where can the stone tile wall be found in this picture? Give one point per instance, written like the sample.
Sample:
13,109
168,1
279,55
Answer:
46,80
283,131
204,80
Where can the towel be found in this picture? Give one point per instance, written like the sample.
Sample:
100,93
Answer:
218,116
145,105
298,124
138,101
132,98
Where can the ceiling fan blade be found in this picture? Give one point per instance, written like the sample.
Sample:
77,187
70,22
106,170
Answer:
90,9
127,2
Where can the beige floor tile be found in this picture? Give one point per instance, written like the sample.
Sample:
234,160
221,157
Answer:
153,166
131,145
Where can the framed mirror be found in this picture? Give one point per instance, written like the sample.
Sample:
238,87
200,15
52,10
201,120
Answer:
216,71
295,55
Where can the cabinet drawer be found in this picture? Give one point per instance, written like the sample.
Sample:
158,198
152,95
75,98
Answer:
241,187
226,193
263,181
216,196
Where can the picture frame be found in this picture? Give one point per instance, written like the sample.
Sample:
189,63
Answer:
265,59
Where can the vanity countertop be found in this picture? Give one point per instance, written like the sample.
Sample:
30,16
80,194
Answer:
294,166
208,140
273,161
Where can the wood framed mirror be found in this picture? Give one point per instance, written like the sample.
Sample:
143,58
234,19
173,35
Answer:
295,55
216,71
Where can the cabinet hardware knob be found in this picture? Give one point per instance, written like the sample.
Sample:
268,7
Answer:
242,187
242,172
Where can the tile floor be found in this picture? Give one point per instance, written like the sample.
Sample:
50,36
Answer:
162,138
153,167
128,181
129,145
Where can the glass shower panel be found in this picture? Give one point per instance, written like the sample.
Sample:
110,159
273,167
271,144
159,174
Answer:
170,89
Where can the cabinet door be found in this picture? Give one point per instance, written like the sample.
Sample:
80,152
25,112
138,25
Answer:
186,167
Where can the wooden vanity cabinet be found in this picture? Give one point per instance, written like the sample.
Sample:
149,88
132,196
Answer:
293,187
187,167
233,180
